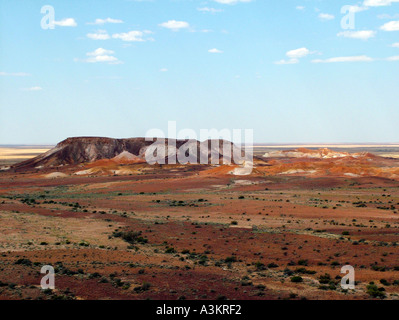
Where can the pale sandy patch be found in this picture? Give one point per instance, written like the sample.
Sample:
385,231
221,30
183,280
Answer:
296,146
55,175
18,229
390,155
20,153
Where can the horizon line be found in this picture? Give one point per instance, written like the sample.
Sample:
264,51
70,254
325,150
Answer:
256,144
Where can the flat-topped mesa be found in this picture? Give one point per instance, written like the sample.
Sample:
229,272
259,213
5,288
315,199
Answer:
74,140
89,149
79,150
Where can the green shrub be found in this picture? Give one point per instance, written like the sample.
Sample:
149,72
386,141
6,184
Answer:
375,292
170,250
296,279
145,287
385,282
230,259
259,266
305,271
130,236
272,265
303,262
25,262
325,279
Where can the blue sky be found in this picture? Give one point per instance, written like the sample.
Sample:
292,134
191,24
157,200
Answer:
286,69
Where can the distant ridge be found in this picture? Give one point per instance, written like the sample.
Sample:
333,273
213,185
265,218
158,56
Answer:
78,150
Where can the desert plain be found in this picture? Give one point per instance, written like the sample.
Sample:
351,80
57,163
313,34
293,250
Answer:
197,232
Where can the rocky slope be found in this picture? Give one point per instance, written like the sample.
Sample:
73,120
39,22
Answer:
74,151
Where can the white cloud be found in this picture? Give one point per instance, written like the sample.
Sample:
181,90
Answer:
164,70
300,8
345,59
100,35
231,1
101,55
68,22
390,26
104,58
295,55
298,53
356,8
378,3
326,16
175,25
15,74
104,21
363,35
388,16
395,45
209,10
132,36
33,89
100,52
214,50
290,61
355,59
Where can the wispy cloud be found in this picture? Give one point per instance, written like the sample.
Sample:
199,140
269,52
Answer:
390,26
101,55
67,22
388,16
133,36
104,21
175,25
290,61
295,55
298,53
209,10
214,50
99,35
357,8
231,1
326,16
14,74
378,3
363,35
33,89
345,59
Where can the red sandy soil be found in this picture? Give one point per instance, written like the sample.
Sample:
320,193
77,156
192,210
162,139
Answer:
208,234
